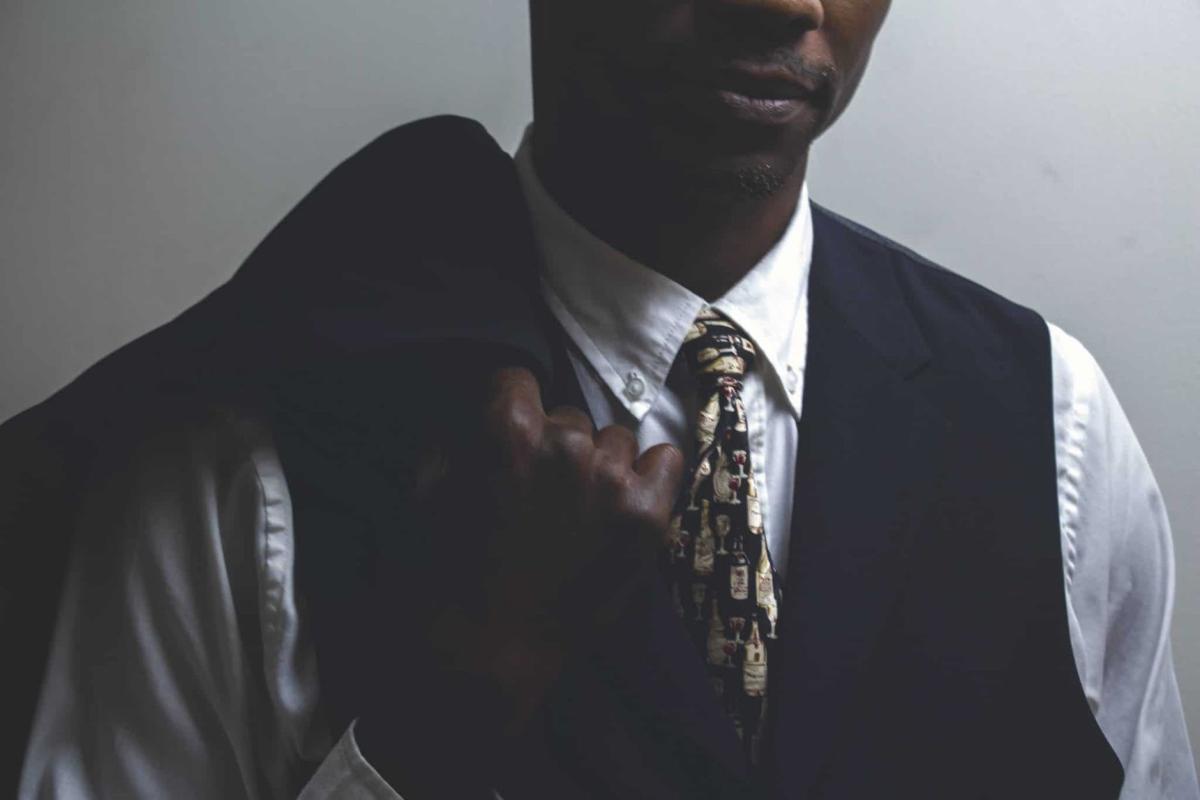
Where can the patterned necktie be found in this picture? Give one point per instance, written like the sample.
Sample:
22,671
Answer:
718,567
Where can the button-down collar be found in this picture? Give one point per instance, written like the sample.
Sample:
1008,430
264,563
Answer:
629,321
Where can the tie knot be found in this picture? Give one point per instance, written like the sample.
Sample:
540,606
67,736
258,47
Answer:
717,350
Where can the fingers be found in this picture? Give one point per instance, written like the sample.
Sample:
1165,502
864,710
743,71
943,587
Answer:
661,470
515,414
618,443
564,447
516,386
649,482
570,418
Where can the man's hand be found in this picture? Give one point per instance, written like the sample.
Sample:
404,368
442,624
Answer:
552,526
571,520
576,516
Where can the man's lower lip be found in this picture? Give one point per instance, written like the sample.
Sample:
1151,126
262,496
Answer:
759,109
727,104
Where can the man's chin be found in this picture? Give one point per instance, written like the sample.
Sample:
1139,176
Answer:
689,160
721,176
729,163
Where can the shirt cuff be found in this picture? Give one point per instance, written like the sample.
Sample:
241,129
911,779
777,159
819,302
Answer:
346,775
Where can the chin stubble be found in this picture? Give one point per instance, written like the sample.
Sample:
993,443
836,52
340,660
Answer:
736,185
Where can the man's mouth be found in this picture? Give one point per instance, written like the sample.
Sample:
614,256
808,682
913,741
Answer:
765,82
757,94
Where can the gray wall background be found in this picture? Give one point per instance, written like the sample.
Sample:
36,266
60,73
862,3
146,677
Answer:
1046,148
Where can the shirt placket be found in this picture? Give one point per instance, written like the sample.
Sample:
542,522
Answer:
753,396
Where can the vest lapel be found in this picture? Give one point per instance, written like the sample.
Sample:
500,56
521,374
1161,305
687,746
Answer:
866,456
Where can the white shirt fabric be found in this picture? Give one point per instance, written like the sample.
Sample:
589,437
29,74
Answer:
626,324
181,668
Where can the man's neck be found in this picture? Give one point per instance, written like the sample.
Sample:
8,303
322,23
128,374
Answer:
704,237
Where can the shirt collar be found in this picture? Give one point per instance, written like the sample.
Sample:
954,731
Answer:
628,321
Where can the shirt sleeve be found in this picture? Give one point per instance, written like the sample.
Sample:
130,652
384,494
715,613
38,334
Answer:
178,667
1120,579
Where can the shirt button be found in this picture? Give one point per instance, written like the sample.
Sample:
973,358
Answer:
791,380
635,387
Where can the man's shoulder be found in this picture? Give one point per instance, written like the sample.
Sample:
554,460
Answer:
129,480
960,319
913,269
78,444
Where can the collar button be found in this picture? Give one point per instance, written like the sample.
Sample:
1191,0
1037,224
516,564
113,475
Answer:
791,380
635,387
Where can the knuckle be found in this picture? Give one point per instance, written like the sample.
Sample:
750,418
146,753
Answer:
674,460
514,426
618,436
511,442
572,417
616,479
570,445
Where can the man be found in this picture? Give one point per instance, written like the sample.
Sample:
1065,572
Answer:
801,520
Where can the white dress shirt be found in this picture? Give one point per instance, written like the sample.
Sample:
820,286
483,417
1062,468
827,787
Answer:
181,668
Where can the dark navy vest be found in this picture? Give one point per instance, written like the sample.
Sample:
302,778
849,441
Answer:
927,652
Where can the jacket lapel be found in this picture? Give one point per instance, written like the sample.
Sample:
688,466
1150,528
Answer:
867,454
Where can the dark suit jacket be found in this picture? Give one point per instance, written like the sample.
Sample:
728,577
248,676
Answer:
926,650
